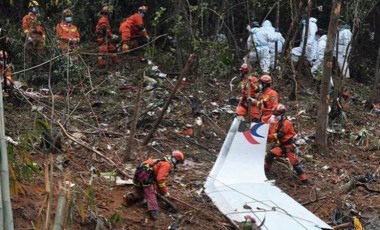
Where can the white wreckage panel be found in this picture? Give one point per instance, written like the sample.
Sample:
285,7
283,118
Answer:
238,179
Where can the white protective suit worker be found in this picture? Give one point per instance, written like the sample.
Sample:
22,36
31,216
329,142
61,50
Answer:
262,38
344,40
311,43
321,39
267,25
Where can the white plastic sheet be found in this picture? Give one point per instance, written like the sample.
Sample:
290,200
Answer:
238,179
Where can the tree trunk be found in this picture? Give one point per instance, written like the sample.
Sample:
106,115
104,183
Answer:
377,76
5,193
322,118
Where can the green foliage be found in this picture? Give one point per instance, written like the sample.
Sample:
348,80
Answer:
158,15
116,218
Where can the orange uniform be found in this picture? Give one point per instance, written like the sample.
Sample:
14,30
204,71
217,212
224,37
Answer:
34,31
161,172
242,108
146,186
282,132
7,71
103,30
68,36
131,29
268,101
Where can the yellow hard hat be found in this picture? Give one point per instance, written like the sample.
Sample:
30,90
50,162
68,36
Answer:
33,4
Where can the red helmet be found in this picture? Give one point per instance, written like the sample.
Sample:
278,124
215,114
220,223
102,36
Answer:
280,109
266,79
178,155
244,68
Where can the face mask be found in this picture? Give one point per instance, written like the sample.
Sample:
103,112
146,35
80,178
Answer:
2,62
142,14
303,22
35,10
260,87
317,38
68,19
279,117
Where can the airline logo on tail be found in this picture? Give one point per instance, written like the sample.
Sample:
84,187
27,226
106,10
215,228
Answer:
250,134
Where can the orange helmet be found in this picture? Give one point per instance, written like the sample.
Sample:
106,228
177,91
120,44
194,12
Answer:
67,12
143,8
105,10
266,79
244,68
280,109
179,156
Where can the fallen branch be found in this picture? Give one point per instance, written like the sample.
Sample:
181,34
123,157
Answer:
85,145
166,106
342,226
313,201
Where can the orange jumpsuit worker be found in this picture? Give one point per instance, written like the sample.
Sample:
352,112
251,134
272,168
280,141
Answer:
67,33
282,132
150,178
32,28
132,29
105,37
269,98
247,84
5,70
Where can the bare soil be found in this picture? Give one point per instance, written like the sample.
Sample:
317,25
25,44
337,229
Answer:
103,117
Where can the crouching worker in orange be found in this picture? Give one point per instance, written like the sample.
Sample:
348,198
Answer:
105,38
133,31
282,132
67,33
249,94
150,178
5,71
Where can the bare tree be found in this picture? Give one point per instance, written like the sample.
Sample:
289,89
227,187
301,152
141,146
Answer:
322,118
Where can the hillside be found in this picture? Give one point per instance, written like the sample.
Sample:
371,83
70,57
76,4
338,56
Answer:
97,110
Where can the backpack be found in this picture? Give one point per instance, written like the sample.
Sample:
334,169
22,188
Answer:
144,174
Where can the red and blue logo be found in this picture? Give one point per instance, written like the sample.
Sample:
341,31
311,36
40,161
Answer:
250,134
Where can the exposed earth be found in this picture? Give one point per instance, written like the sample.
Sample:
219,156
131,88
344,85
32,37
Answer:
101,116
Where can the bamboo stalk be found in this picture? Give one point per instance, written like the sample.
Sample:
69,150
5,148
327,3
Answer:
127,154
6,206
60,211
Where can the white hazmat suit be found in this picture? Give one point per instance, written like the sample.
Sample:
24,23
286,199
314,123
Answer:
311,43
319,55
262,38
267,25
344,39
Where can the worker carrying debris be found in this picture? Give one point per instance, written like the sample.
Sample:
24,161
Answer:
282,133
249,91
133,31
150,178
